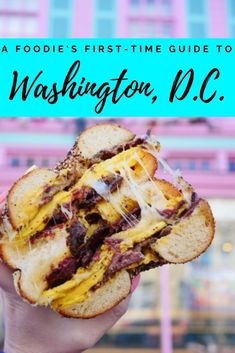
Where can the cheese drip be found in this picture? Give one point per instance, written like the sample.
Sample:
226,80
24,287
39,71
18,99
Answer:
76,291
177,178
137,186
46,212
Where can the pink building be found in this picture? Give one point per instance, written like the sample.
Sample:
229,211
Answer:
203,149
25,142
125,18
155,18
112,18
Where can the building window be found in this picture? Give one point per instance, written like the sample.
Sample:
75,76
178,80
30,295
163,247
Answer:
150,18
134,29
61,14
61,4
45,163
106,5
167,30
231,165
105,28
30,26
14,4
30,162
19,18
197,29
14,25
15,162
232,30
192,165
134,3
30,5
2,25
232,8
231,12
166,6
150,29
197,18
176,164
60,27
151,3
205,165
196,7
142,28
105,18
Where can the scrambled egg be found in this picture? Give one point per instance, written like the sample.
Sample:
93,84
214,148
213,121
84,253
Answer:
102,169
78,288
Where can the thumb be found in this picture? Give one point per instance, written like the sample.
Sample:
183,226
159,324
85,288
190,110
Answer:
118,311
99,325
109,318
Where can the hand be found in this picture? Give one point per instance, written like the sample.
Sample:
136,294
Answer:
40,330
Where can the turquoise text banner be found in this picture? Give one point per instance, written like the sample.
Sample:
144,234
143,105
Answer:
117,77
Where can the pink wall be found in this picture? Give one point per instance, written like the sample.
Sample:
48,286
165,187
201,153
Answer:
84,14
83,25
122,18
180,16
145,14
42,125
43,18
218,18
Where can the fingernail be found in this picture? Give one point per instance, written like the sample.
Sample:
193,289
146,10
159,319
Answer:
135,283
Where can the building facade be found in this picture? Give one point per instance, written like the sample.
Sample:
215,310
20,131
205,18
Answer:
117,18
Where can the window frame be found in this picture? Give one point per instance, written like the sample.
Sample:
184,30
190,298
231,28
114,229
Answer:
231,18
105,14
55,13
194,18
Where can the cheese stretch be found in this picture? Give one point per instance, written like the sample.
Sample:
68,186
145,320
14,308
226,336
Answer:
137,188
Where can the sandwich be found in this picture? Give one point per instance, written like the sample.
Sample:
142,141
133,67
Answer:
75,236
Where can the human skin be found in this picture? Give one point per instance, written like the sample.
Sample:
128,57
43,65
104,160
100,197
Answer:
40,330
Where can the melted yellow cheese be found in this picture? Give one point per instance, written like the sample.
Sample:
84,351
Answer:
103,169
46,212
38,222
148,257
143,230
76,289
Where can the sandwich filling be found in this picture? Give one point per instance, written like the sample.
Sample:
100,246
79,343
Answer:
112,216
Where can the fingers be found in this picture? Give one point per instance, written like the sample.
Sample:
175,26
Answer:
104,322
118,311
2,197
98,326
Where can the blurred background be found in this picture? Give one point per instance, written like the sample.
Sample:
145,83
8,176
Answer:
177,309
